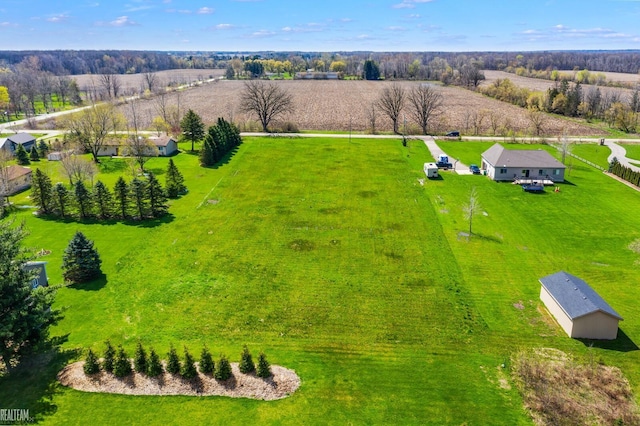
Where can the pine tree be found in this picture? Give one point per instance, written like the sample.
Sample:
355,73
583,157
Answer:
81,261
156,196
223,372
41,191
188,370
207,365
43,148
137,191
246,362
33,154
207,152
83,199
264,369
173,362
121,194
192,127
122,364
60,198
109,357
102,200
25,313
174,181
22,157
91,365
155,366
140,359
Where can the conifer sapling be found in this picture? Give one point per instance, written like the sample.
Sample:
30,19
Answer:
173,362
109,355
188,370
246,362
91,365
207,366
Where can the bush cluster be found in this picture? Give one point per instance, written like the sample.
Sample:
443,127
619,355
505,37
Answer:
218,142
118,363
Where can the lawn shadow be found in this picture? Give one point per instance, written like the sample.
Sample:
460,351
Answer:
93,285
33,384
225,160
151,223
621,344
85,221
565,182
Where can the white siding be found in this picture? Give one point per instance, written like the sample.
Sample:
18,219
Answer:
561,317
596,325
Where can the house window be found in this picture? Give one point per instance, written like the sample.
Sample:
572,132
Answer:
556,172
540,172
503,171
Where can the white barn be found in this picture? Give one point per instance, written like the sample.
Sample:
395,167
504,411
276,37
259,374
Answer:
503,164
579,310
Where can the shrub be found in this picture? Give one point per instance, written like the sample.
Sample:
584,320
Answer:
122,365
173,362
246,362
109,354
91,365
207,366
81,261
287,127
264,369
140,359
188,370
223,372
154,367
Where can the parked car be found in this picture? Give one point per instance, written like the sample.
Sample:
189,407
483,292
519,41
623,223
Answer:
474,169
453,134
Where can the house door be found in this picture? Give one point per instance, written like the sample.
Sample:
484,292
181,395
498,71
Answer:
525,173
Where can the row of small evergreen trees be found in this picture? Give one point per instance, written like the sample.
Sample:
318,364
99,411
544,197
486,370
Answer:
625,173
219,140
25,158
141,198
118,363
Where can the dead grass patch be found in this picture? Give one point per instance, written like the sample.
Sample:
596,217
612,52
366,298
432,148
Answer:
558,390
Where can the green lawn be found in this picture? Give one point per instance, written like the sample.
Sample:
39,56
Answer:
633,151
332,258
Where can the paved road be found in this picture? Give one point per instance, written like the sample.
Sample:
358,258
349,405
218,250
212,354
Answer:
620,153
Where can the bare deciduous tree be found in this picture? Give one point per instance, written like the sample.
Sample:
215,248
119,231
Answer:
371,117
150,81
140,148
426,102
5,160
391,102
77,169
111,84
471,208
266,100
537,120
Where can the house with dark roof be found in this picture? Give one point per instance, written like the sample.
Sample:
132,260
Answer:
166,145
25,139
579,310
503,164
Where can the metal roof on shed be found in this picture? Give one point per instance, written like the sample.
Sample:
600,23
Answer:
575,297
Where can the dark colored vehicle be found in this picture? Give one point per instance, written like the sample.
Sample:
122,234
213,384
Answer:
453,135
474,169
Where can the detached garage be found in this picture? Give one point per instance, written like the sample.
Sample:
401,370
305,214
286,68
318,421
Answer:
579,310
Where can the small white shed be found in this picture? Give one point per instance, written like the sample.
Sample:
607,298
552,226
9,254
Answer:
579,310
431,170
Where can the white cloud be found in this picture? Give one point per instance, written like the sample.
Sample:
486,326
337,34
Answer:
396,28
222,27
60,17
205,11
121,21
409,4
262,34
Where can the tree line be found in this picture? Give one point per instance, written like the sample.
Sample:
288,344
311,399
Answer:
623,172
120,365
141,198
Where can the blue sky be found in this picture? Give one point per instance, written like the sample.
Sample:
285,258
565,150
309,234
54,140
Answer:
320,25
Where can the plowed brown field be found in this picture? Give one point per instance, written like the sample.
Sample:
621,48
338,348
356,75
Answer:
339,105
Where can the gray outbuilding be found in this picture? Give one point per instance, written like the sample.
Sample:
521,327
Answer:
579,310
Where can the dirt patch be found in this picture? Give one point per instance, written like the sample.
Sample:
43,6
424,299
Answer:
302,245
282,384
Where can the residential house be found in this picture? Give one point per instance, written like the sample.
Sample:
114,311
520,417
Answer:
166,145
502,164
579,310
11,143
14,179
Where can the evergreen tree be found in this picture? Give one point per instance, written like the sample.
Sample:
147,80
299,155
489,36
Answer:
121,194
138,194
122,364
156,196
208,151
81,261
192,127
60,198
173,362
155,366
43,148
207,365
22,157
109,357
83,199
33,154
25,313
246,362
371,70
264,369
188,370
91,365
223,372
41,191
102,200
174,181
140,359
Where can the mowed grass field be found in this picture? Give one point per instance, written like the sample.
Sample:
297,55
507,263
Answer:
331,257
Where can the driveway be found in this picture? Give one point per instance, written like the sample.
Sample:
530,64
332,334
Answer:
459,167
620,153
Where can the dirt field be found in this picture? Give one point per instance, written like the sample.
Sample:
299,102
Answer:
135,81
339,105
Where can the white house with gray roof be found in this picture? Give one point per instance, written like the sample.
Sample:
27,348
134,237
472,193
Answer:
503,164
579,310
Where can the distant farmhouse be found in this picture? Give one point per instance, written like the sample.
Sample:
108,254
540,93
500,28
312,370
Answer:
579,310
166,145
503,164
14,179
11,143
314,75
